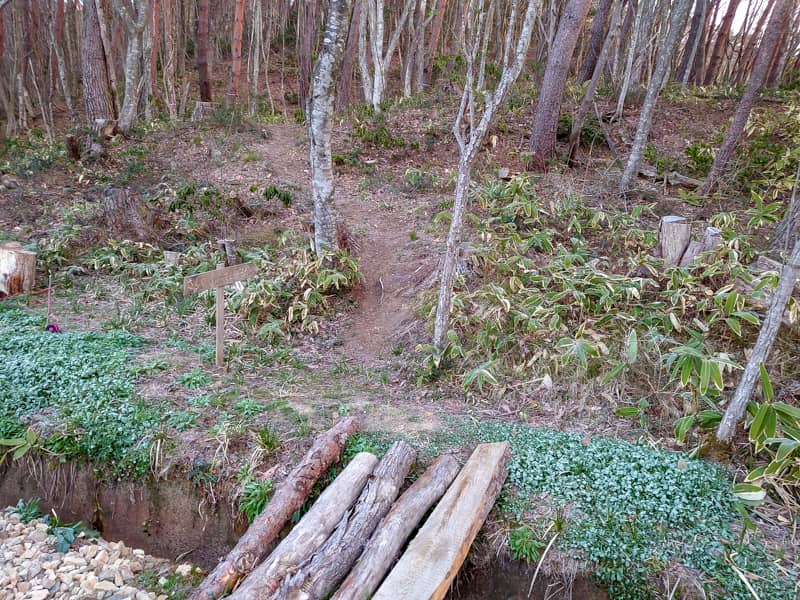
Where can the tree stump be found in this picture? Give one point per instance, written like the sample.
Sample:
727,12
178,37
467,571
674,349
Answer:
202,110
228,250
674,236
17,269
125,213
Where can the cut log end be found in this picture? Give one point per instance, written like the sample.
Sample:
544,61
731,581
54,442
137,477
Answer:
17,269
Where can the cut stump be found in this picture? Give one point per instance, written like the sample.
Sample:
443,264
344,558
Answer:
17,269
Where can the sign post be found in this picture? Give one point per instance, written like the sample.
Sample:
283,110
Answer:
217,280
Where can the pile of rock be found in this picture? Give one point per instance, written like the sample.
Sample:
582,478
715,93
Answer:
32,569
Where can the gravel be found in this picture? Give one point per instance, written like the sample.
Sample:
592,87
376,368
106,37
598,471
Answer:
32,569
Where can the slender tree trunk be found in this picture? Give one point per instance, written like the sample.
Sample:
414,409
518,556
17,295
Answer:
780,14
97,96
135,23
665,51
236,54
786,232
596,37
514,55
308,30
545,122
108,50
752,43
202,50
349,61
433,43
763,345
170,58
56,39
693,41
320,113
583,109
781,50
721,43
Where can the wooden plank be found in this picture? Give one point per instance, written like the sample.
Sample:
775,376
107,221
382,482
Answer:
218,278
434,556
385,544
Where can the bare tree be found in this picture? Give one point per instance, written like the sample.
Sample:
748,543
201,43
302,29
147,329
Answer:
666,49
721,43
470,131
134,18
548,109
320,113
780,13
693,41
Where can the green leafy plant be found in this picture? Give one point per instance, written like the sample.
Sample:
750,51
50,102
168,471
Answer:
67,533
28,510
254,497
194,379
524,544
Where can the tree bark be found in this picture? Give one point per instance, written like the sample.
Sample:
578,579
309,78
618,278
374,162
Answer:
721,42
391,534
202,50
321,573
761,350
349,61
786,232
97,95
596,38
320,113
17,269
692,41
312,530
307,33
674,236
288,497
665,51
433,43
548,108
134,59
236,54
780,13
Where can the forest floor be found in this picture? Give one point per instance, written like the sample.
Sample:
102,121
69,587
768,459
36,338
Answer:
394,179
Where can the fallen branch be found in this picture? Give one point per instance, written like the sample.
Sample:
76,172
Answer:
290,495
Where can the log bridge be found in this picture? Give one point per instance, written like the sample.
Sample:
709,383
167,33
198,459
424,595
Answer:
349,545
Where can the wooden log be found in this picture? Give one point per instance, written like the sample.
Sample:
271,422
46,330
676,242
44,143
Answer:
674,235
434,556
288,497
312,530
383,547
325,570
17,269
691,253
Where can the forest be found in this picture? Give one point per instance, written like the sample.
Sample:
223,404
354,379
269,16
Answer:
288,288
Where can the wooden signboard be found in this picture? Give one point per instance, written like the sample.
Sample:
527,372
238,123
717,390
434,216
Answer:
218,279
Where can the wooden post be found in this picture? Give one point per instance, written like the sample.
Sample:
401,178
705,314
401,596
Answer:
220,319
217,280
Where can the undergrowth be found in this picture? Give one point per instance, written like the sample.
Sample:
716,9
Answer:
629,512
72,395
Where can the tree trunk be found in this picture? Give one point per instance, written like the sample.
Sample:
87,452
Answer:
599,65
780,14
665,51
101,7
135,24
596,38
56,39
348,63
721,43
548,109
307,33
289,496
433,43
236,54
761,350
320,113
752,43
202,50
674,235
383,547
97,96
324,571
312,530
786,232
692,41
170,59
